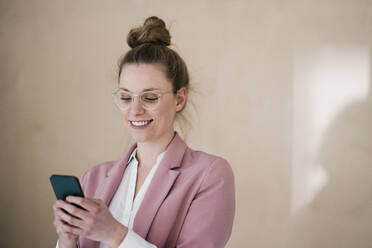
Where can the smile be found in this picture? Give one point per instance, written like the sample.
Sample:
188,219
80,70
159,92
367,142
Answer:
140,123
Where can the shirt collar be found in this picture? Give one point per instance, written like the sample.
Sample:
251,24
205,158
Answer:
132,156
134,153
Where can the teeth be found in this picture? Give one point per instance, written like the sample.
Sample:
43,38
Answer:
139,123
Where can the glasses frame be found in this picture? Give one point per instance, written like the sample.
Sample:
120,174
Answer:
133,96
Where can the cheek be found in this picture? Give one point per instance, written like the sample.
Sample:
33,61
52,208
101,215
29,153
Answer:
124,114
165,115
168,117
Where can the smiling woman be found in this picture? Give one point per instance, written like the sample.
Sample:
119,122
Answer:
161,193
158,115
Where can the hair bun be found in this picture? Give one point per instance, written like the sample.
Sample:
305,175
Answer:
153,31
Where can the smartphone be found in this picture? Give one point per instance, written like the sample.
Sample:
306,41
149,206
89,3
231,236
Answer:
64,186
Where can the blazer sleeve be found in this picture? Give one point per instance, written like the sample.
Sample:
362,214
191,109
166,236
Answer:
209,220
83,181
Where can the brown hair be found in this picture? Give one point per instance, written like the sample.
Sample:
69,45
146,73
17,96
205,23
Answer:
149,45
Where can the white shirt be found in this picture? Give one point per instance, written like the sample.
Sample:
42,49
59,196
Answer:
124,206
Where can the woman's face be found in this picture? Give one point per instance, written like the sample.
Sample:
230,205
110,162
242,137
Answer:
147,125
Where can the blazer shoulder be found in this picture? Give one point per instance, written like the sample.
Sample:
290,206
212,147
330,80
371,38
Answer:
101,168
206,161
97,172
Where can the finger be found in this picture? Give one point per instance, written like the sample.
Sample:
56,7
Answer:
71,209
61,229
57,204
97,201
87,203
69,219
65,228
59,225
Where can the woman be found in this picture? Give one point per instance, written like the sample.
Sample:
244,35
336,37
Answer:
162,193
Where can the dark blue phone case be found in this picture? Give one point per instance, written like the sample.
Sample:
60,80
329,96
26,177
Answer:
64,186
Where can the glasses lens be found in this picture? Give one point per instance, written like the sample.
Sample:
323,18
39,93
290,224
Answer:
123,99
149,100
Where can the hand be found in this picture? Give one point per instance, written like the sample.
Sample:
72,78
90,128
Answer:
66,238
95,222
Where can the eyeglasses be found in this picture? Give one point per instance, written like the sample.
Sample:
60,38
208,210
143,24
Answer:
149,100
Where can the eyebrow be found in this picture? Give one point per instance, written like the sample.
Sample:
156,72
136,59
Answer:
148,89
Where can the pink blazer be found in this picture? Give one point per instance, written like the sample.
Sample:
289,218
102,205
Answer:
189,203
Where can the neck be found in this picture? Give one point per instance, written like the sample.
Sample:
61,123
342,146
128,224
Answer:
147,152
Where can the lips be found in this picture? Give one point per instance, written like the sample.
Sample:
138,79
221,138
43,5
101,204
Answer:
140,123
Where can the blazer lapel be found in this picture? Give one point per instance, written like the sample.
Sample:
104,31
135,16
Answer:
107,189
113,178
160,185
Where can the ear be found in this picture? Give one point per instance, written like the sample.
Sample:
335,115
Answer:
181,97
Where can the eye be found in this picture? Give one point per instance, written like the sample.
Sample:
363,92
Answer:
150,97
125,97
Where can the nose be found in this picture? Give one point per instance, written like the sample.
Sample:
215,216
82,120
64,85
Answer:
136,106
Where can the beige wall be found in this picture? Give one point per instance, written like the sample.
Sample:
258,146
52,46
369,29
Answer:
283,92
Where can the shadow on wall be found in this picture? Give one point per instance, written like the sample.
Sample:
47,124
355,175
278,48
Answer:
340,215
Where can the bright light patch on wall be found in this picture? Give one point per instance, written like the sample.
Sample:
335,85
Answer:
326,80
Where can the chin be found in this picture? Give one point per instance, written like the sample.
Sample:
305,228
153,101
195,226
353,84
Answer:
141,137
